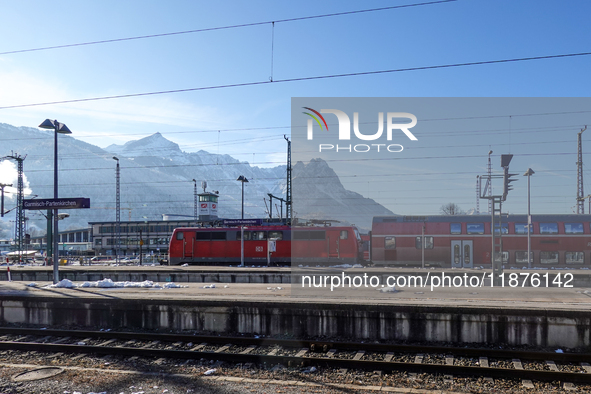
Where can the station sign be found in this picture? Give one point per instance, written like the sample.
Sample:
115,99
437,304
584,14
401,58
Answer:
243,222
57,203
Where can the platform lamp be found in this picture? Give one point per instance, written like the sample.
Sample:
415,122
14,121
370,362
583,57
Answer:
242,179
528,174
61,129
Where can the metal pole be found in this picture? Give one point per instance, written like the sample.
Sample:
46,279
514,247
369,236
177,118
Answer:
49,252
195,200
423,246
242,199
242,244
529,262
117,210
56,233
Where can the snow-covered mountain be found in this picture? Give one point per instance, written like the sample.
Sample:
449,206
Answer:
156,179
319,194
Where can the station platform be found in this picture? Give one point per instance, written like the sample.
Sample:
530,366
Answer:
581,277
544,316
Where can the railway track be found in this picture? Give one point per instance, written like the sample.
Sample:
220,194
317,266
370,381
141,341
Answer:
524,366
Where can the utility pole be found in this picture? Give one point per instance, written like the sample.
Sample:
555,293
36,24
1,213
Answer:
2,186
118,210
495,202
580,193
195,217
488,188
19,232
477,194
288,202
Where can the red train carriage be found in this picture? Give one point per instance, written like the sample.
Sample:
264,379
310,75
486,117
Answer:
464,241
278,245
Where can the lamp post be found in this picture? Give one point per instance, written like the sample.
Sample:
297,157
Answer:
61,129
242,179
528,174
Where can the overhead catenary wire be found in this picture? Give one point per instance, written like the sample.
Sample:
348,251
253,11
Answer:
302,79
235,26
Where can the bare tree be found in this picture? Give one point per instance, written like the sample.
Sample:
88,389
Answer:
451,209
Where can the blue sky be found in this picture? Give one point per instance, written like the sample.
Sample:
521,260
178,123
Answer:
427,35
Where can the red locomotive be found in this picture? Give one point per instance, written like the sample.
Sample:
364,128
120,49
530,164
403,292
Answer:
271,244
464,241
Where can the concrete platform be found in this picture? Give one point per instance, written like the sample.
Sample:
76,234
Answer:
554,317
154,273
249,274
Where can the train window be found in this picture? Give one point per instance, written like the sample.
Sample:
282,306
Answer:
521,228
455,228
278,235
203,235
179,235
317,235
344,234
548,228
521,257
219,235
247,236
259,235
573,228
300,234
428,242
357,234
549,257
505,257
575,257
504,227
475,228
390,242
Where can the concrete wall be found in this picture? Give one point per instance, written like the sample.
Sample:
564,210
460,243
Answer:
540,327
155,276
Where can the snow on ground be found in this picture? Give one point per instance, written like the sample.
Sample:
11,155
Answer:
108,283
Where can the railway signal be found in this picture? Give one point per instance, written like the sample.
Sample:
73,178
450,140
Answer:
507,177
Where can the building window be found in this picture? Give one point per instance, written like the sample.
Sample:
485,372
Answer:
428,242
475,228
575,257
390,242
549,257
455,228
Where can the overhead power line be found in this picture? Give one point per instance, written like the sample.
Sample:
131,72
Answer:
223,27
301,79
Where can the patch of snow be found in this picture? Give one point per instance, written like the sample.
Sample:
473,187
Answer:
108,283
